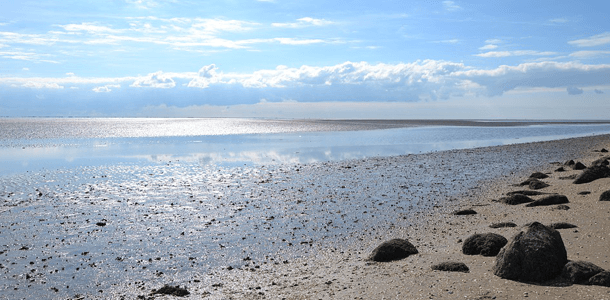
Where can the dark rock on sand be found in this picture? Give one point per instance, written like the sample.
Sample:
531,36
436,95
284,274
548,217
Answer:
584,193
605,196
561,207
536,185
100,223
562,225
569,177
600,162
171,290
515,199
536,253
503,225
569,163
580,271
451,266
549,200
602,278
486,244
579,166
465,212
603,150
394,249
528,181
539,175
560,169
592,173
527,193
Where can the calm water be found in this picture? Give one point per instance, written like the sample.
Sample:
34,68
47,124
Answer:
182,200
48,144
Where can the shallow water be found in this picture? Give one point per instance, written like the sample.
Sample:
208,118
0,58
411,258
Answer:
148,211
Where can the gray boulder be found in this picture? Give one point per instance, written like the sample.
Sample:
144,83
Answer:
580,271
394,249
486,244
535,254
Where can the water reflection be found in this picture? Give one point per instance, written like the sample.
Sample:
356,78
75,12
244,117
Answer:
264,149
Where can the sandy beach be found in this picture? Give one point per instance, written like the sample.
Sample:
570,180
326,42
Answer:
316,223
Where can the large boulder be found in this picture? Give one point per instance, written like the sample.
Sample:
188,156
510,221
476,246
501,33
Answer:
515,199
549,200
592,173
535,254
601,278
486,244
394,249
580,271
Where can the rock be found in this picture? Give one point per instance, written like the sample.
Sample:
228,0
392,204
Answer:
605,196
600,162
579,166
580,271
451,266
569,177
584,193
562,225
515,199
602,278
171,290
528,181
503,225
539,175
560,169
486,244
603,150
569,163
101,224
592,173
394,249
561,207
536,253
536,185
549,200
527,193
465,212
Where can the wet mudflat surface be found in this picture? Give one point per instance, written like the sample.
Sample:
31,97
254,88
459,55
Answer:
126,229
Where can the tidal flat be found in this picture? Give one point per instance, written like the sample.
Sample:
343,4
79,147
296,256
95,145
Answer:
115,231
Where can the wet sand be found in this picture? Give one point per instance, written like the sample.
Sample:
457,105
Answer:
292,231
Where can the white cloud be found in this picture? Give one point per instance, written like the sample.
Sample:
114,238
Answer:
25,69
155,80
596,40
574,91
515,53
88,27
207,75
105,89
589,54
451,41
451,6
489,47
304,22
41,85
559,20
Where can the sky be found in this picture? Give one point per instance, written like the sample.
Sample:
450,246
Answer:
305,59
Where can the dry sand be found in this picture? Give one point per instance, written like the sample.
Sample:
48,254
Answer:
438,236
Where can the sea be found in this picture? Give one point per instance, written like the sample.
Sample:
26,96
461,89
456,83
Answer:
99,208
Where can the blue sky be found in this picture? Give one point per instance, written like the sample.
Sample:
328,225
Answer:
306,59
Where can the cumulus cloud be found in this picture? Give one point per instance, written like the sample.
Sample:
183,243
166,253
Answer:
533,75
574,91
489,47
155,80
515,53
596,40
42,85
207,75
304,22
105,89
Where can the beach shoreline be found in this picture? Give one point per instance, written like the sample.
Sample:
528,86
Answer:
376,199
